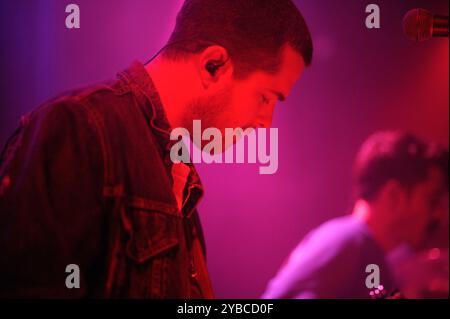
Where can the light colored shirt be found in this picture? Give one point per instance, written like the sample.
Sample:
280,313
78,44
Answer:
331,263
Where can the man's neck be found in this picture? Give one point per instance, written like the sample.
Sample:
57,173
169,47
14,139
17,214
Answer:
170,82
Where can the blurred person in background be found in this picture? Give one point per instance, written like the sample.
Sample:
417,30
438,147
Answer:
423,272
400,190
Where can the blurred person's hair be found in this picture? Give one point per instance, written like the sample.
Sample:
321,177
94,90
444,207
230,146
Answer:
395,155
252,31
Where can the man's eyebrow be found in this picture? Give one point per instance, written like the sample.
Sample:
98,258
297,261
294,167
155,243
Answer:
280,95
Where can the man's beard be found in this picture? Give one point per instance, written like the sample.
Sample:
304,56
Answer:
213,111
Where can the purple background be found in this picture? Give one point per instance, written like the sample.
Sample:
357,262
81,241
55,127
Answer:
361,80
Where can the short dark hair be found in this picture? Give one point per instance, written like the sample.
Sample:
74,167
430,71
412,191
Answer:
395,155
253,32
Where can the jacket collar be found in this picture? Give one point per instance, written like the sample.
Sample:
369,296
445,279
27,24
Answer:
150,104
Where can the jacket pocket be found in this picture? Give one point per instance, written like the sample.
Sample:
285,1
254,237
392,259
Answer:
151,228
151,248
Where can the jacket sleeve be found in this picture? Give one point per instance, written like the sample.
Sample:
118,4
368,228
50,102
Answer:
50,203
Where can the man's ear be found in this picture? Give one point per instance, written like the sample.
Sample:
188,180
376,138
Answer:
214,65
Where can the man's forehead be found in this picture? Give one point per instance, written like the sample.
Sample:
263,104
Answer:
292,62
291,67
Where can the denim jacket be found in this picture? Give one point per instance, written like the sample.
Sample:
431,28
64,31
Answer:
86,180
